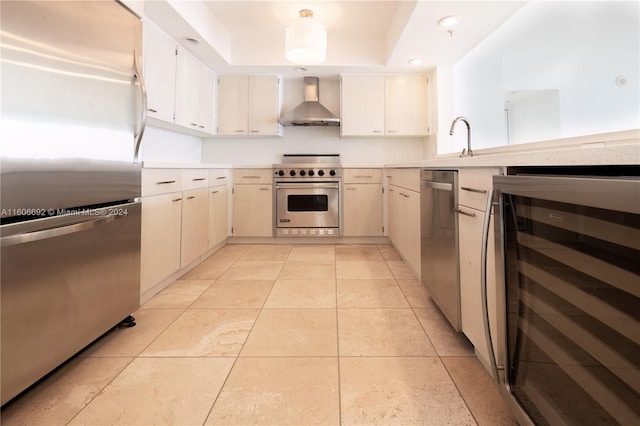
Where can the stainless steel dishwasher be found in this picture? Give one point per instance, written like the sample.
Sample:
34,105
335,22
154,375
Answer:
439,240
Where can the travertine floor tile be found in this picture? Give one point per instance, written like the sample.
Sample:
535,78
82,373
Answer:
313,254
399,391
63,394
267,252
204,332
444,338
416,293
381,332
180,294
303,293
479,391
279,391
388,252
400,270
235,294
308,271
232,251
159,391
242,270
210,269
357,252
370,294
370,270
130,341
293,332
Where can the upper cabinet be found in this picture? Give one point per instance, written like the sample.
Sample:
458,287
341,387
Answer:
249,105
180,88
379,105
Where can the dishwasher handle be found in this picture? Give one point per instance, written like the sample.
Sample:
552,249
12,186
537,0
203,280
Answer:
443,186
45,234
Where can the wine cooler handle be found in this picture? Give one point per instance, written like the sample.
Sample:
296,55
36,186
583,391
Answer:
483,286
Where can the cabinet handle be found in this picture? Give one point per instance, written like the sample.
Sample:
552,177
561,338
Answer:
350,188
202,127
390,189
391,131
194,124
221,177
152,110
251,177
165,182
464,213
239,131
364,176
479,191
264,189
176,200
214,192
404,195
191,197
377,131
197,179
255,131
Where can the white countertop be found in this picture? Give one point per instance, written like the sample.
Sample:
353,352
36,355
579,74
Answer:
161,165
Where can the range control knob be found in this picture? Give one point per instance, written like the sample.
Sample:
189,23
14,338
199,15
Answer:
302,173
311,173
332,172
320,172
292,173
281,173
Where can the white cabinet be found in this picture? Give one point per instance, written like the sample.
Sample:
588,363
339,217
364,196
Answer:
403,214
180,88
362,202
474,185
406,105
195,225
362,105
249,105
194,93
391,105
218,206
160,53
252,203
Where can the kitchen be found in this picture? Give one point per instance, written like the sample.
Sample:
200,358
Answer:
198,168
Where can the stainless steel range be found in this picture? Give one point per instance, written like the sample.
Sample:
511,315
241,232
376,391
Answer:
308,194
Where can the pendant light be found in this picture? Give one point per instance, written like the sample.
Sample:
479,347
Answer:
306,40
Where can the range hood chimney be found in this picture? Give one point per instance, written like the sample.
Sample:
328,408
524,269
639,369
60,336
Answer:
310,112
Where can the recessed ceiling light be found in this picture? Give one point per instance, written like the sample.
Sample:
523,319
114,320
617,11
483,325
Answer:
416,61
191,40
449,21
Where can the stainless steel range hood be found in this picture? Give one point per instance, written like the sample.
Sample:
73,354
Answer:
310,112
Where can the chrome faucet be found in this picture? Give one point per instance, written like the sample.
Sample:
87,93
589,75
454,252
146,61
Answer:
466,152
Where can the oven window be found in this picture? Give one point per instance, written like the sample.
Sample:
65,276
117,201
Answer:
308,203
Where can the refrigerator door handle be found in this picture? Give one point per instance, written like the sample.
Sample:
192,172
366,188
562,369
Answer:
45,234
143,113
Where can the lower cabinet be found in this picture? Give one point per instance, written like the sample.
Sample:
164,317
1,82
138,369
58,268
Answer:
403,219
252,210
362,210
161,236
195,224
218,214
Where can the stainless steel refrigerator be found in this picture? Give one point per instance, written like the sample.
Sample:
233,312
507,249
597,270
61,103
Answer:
73,114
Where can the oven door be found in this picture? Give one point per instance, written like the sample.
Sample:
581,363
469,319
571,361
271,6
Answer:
308,205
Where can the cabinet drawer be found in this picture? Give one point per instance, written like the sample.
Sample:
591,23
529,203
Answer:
405,178
218,177
474,186
194,179
362,175
160,181
252,176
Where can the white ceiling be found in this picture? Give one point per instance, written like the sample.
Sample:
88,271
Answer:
363,35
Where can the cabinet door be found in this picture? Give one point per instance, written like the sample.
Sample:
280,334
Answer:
233,104
195,224
362,105
409,224
187,80
159,72
218,215
252,211
406,105
392,208
160,246
362,210
264,105
206,87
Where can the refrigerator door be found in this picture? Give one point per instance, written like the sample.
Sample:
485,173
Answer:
72,104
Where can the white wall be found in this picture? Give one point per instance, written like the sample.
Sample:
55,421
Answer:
313,140
161,145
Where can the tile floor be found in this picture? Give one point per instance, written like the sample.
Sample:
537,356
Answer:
275,335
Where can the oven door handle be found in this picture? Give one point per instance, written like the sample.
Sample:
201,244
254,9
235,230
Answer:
319,185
